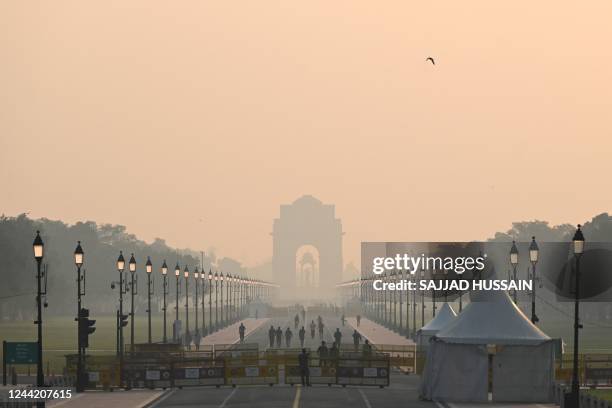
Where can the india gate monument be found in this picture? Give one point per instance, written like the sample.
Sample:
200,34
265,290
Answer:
307,247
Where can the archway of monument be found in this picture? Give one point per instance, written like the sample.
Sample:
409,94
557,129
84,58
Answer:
307,267
307,222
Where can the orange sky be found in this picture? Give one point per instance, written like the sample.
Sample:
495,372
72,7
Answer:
159,114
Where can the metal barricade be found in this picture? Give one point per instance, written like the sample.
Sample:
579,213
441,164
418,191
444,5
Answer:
250,370
363,369
102,371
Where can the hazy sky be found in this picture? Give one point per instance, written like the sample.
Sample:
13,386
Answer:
194,120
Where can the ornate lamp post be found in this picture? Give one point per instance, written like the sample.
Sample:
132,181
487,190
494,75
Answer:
514,259
228,292
176,334
221,278
39,246
120,317
533,257
196,335
216,301
149,269
210,321
202,278
187,333
133,289
78,261
164,271
578,242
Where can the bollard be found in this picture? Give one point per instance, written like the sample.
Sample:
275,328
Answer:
13,376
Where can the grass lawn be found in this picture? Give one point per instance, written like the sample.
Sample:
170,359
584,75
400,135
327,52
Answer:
602,394
60,336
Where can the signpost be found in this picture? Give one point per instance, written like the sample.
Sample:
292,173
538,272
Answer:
22,352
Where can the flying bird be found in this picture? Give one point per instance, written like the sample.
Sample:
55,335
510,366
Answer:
431,59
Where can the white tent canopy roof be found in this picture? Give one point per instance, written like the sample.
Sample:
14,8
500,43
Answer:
444,317
491,318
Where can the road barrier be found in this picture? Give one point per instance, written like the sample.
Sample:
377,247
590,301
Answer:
321,371
102,371
360,369
239,364
402,356
250,371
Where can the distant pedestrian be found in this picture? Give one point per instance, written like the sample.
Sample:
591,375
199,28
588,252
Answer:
337,337
367,349
296,321
302,336
358,320
304,370
303,315
312,329
323,350
241,330
334,351
288,336
279,337
356,339
321,327
343,320
271,335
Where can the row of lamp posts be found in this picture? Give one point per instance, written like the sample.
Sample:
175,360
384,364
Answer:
239,292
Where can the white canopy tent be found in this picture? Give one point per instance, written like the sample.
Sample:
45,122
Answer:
491,330
442,319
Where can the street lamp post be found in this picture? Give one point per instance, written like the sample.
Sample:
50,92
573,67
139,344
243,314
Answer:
514,259
216,302
149,269
196,334
78,261
222,304
203,279
210,321
578,241
228,293
39,246
177,334
120,342
533,257
187,333
164,271
132,267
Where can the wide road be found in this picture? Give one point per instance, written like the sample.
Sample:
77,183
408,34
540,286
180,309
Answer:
401,393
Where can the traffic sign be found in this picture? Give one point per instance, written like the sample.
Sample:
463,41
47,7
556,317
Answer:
21,352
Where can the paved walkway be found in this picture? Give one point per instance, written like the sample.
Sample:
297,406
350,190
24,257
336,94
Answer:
378,334
230,334
102,399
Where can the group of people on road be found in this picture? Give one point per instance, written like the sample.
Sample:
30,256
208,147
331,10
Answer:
276,337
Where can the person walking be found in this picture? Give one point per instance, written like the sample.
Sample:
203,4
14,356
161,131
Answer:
302,336
304,370
312,329
337,337
271,335
296,321
358,320
241,330
288,336
323,351
321,327
356,339
367,349
279,337
342,320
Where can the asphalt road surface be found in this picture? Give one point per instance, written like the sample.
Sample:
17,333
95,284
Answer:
401,393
